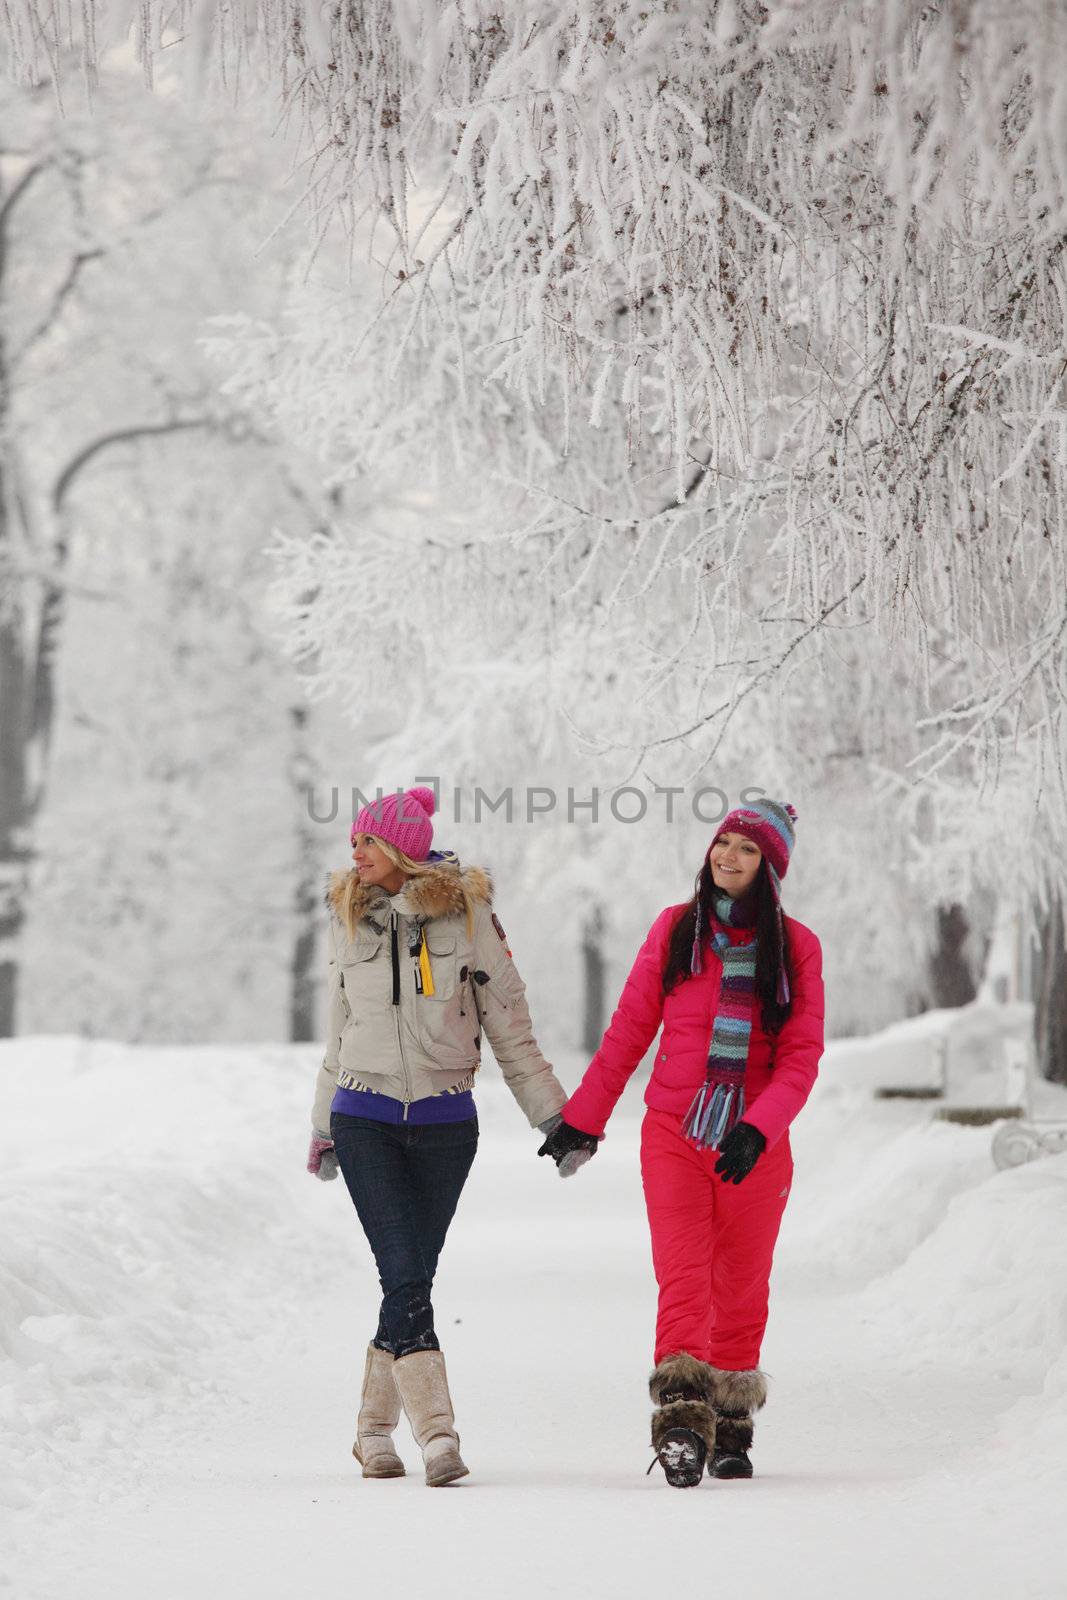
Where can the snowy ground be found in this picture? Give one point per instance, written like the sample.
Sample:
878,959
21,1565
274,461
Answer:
183,1313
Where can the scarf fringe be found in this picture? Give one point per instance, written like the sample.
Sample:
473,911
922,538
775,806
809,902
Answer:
719,1103
712,1114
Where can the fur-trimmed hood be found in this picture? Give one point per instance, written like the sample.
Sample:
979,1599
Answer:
437,893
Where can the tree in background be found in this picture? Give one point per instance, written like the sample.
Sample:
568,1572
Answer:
730,337
1051,996
146,723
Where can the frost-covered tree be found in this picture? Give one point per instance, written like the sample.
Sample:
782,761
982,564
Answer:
729,337
710,287
152,813
76,389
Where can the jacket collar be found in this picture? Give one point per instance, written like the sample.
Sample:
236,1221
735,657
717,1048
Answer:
438,893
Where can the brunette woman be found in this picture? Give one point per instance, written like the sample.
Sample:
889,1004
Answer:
738,989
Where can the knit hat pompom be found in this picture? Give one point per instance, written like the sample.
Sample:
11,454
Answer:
422,797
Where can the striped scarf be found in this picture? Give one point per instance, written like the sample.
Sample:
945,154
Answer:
720,1101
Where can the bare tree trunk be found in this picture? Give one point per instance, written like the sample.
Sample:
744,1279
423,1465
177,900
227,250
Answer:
307,908
950,977
28,654
15,802
594,975
15,851
29,650
1050,1000
302,994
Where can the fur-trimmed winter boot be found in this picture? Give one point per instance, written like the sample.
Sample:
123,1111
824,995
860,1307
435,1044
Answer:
379,1413
423,1385
683,1424
735,1395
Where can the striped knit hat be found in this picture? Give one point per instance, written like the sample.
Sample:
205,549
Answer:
402,819
768,823
771,825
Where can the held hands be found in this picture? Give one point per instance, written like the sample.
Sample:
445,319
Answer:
739,1152
568,1147
322,1158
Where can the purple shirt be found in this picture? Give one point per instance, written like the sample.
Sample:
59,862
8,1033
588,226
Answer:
421,1113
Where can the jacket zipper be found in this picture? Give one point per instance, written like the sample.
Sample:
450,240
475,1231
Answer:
394,952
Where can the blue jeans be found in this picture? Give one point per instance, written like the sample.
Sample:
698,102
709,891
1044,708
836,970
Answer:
405,1184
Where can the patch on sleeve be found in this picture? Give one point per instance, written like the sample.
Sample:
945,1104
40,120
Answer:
500,931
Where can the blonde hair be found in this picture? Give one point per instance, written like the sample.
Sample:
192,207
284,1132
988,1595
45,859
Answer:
410,869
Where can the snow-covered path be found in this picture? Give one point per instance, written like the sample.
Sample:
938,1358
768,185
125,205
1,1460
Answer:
186,1312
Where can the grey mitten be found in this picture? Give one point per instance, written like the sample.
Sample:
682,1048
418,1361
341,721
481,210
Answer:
322,1157
568,1165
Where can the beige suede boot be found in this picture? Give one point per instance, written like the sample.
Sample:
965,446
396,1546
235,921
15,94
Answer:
423,1386
379,1413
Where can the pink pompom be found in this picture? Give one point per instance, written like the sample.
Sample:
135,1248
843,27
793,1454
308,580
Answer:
790,810
424,798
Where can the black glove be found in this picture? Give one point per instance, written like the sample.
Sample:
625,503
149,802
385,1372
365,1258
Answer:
568,1147
739,1152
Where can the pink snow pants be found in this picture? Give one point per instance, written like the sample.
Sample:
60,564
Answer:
712,1244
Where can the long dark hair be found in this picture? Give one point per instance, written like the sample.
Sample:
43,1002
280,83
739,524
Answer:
680,949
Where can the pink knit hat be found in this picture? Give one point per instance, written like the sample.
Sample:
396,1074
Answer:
402,819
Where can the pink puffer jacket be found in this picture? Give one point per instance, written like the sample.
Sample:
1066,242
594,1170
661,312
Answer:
779,1072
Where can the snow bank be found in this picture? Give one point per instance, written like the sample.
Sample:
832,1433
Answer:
145,1230
873,1180
967,1043
165,1258
988,1287
876,1178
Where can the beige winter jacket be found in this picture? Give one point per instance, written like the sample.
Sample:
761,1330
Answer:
383,1034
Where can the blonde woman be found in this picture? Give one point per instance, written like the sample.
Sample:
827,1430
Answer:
419,970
